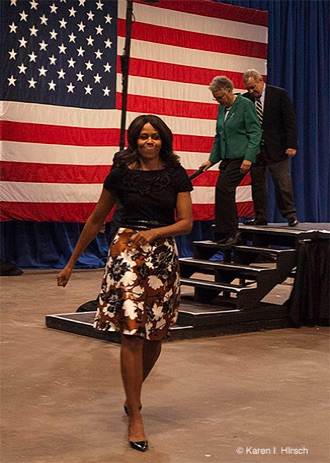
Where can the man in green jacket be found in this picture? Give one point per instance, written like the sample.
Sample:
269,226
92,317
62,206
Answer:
236,145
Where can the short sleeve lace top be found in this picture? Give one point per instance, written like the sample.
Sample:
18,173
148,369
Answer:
148,194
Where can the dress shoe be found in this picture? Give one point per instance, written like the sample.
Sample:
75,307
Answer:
293,221
255,222
233,240
222,241
141,446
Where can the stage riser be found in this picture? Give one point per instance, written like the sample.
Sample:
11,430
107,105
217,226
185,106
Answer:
206,313
270,318
202,319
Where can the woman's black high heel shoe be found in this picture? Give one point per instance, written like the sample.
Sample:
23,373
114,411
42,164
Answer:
141,446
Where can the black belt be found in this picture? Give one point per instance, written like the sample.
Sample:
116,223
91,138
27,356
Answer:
143,224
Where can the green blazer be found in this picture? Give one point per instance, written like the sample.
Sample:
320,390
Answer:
238,136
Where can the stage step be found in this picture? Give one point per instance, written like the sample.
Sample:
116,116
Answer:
222,316
213,285
209,245
190,265
206,291
237,264
215,245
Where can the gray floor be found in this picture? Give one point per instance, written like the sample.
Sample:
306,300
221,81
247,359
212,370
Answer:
256,397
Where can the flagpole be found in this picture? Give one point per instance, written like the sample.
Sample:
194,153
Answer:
124,60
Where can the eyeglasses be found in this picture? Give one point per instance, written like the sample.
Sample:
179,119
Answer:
251,87
220,97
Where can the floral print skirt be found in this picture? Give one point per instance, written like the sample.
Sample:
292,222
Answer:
140,289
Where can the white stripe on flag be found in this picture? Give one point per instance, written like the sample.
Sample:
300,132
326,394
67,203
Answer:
63,193
54,115
55,154
204,195
49,193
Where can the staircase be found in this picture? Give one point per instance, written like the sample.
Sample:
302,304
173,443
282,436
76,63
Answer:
254,281
228,294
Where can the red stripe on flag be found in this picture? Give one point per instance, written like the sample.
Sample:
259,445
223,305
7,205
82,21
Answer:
59,135
246,180
203,211
46,212
170,107
179,73
245,209
62,135
193,143
53,173
210,177
207,178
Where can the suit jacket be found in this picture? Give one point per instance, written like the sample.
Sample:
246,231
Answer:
239,135
279,123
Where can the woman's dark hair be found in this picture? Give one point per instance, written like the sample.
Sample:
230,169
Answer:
166,154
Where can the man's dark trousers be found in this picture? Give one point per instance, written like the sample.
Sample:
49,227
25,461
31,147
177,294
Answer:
280,172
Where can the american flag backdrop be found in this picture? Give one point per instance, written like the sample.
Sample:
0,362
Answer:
61,87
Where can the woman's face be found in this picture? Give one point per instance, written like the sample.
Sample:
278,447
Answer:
149,142
224,97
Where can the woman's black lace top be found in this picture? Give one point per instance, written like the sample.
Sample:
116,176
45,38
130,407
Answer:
148,194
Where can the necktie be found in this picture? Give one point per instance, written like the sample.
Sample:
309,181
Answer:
260,115
259,109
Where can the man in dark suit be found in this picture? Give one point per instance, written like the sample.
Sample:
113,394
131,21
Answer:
279,143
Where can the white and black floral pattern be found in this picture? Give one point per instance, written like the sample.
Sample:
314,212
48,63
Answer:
140,289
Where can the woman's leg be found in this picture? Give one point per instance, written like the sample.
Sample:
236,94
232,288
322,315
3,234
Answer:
226,219
131,359
138,358
151,353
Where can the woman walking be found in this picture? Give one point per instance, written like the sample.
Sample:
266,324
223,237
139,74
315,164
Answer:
140,289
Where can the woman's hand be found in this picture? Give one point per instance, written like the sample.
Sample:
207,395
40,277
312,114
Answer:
92,227
143,237
206,165
245,166
64,276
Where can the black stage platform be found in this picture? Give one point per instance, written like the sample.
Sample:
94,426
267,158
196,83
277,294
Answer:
226,298
306,230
